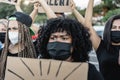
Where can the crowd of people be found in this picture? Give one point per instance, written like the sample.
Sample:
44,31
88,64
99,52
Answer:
62,38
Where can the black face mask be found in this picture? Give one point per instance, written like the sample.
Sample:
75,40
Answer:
115,36
2,37
59,50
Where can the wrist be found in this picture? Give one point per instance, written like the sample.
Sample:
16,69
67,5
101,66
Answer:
74,10
35,8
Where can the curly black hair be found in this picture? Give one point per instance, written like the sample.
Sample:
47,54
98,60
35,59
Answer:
80,38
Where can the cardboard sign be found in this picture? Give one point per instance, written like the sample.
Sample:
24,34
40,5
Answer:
59,6
43,69
13,2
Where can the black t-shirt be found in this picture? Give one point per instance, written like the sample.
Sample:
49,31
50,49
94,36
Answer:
93,74
108,61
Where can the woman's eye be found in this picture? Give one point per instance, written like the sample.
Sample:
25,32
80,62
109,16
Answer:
52,38
64,38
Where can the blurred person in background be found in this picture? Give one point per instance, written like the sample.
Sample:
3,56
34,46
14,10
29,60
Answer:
3,29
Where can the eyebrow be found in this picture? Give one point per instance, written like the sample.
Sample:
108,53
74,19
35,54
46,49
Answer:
114,26
13,26
61,35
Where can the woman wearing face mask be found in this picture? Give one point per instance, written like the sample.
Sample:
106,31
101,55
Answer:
108,48
67,40
3,27
18,40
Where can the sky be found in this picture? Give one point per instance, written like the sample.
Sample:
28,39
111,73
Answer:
83,3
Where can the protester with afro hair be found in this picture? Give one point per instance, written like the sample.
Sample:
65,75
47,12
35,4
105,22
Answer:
67,40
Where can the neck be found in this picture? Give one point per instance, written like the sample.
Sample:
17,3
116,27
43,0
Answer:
69,59
116,44
15,48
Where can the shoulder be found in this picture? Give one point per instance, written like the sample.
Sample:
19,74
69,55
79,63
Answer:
93,73
102,48
102,45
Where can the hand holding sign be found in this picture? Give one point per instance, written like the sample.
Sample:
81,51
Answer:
36,5
72,4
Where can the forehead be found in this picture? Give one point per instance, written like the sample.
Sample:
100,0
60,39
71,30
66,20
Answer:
60,33
13,23
116,22
3,20
2,25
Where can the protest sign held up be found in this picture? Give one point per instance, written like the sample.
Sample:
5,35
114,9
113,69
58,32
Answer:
59,6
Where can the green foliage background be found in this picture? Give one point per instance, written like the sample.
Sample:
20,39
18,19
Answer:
111,13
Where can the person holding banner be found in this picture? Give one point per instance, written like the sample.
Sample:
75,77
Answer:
108,48
67,40
18,41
